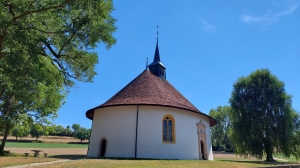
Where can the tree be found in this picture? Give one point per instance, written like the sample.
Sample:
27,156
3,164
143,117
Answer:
75,128
51,129
262,117
220,132
59,129
82,134
44,47
59,31
37,130
42,99
21,129
68,131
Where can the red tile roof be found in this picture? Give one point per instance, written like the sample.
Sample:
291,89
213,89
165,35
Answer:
148,89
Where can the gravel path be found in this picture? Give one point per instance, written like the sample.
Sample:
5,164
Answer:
38,164
51,151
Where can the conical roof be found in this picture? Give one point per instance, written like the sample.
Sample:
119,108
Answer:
148,89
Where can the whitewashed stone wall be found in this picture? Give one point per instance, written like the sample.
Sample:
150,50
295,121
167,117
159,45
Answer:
118,125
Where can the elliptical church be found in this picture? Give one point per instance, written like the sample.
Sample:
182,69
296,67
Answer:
149,118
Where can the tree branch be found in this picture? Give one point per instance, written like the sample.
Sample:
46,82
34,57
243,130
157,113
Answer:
50,48
74,32
30,5
63,70
59,64
66,43
37,11
47,32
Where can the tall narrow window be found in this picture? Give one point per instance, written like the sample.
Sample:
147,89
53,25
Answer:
168,128
165,130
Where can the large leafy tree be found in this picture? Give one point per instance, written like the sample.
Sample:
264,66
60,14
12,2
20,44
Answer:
45,46
220,132
60,31
262,117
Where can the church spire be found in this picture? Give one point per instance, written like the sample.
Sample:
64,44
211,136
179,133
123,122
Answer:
156,67
156,54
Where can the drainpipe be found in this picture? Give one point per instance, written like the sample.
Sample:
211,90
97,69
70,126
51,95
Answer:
136,130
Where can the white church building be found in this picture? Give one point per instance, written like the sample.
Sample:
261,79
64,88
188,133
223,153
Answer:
149,118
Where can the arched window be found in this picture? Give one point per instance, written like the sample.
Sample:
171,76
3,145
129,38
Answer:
168,128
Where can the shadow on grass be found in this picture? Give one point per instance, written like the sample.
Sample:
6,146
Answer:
78,142
125,158
257,162
24,141
71,157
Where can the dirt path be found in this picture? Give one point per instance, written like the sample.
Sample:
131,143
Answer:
39,164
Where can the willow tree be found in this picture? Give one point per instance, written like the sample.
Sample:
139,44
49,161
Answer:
45,46
262,117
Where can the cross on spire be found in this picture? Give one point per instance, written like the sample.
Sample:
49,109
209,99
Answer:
157,32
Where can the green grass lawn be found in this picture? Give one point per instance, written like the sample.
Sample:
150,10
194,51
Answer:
80,161
43,145
112,163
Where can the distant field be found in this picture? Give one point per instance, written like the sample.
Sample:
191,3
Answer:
53,145
57,139
43,145
45,142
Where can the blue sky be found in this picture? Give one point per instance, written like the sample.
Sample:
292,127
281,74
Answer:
205,45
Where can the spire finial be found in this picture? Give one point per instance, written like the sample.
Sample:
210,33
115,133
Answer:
157,32
147,63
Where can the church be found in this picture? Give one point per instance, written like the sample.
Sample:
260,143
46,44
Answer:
149,118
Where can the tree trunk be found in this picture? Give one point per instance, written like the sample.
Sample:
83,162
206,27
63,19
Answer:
6,132
270,157
2,91
269,152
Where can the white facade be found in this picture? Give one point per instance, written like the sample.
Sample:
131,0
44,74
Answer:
117,125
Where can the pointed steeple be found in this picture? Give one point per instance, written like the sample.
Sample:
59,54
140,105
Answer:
156,55
156,67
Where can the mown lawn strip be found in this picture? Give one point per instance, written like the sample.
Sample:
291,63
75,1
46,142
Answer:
115,163
43,145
